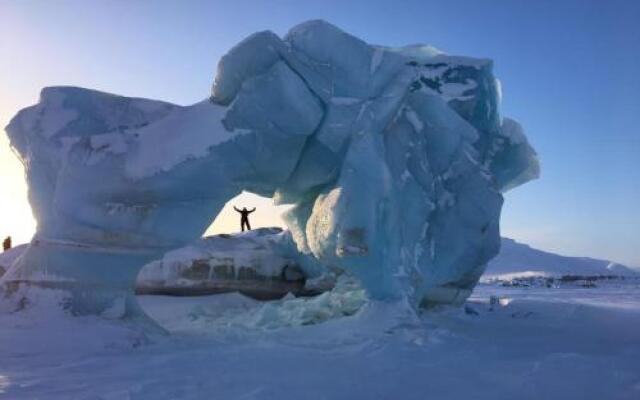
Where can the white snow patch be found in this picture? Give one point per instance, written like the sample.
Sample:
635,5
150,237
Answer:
104,144
108,142
456,91
420,52
185,133
498,84
514,275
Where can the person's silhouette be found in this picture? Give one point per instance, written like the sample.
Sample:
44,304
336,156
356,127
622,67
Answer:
244,217
6,245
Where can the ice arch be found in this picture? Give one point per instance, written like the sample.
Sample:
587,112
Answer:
394,160
267,214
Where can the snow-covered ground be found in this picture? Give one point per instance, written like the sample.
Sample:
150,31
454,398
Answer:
562,342
536,343
8,257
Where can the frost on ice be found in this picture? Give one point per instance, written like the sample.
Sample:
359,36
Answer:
394,160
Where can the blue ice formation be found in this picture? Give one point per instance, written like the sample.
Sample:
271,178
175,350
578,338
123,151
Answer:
394,160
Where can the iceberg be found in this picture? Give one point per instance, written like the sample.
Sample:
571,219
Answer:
393,159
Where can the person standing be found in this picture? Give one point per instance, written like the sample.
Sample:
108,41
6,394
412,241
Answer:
244,217
6,245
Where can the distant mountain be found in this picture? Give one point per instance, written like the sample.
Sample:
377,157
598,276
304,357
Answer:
517,258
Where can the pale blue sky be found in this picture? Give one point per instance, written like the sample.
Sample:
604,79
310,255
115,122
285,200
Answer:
570,72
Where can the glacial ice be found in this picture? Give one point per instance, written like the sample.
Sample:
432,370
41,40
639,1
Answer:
394,160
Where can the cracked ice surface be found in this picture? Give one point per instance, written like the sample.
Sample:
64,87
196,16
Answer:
394,160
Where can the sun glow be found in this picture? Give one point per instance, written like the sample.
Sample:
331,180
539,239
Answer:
16,219
266,215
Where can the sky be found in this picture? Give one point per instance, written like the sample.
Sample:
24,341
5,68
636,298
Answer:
570,73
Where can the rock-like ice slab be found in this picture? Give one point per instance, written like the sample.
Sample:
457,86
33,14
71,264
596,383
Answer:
261,263
394,160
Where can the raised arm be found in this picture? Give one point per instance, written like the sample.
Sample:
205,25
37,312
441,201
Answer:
234,207
252,210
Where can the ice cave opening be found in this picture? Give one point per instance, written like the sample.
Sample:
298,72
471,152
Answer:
267,214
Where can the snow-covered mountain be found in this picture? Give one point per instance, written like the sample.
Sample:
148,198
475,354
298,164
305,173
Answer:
519,258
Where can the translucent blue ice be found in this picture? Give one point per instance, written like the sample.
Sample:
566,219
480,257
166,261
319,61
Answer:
394,160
